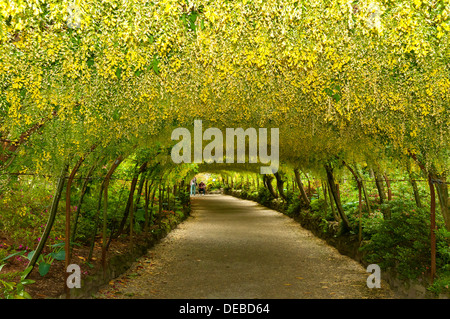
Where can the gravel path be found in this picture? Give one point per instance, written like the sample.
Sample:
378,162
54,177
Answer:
232,248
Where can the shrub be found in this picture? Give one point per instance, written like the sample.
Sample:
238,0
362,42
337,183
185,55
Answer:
264,196
401,242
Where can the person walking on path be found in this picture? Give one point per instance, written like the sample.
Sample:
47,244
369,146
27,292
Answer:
193,185
202,188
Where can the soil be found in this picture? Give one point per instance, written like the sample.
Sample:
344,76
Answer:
52,285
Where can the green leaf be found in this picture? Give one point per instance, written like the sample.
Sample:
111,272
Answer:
44,268
90,61
118,72
1,266
155,63
329,92
12,255
30,254
60,244
336,97
25,273
9,285
27,281
60,255
26,295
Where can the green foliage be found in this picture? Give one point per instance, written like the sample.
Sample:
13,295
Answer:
294,205
16,290
401,242
442,283
45,261
264,196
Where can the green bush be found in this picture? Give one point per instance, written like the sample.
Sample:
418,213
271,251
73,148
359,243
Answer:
264,196
401,242
293,207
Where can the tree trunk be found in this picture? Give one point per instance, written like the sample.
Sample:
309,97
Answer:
388,184
147,195
80,201
152,204
268,183
324,190
280,184
113,167
333,210
160,196
130,198
51,219
432,216
444,200
301,188
432,229
105,224
413,184
67,230
332,184
380,187
366,196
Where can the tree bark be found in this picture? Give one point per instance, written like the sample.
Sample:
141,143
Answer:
380,187
80,201
388,184
301,188
67,230
268,183
280,184
130,198
413,184
51,219
433,229
333,210
444,200
113,167
332,184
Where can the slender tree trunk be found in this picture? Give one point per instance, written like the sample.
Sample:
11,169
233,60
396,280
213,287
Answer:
80,201
130,198
413,184
444,200
366,196
432,217
340,209
139,192
97,220
160,199
433,229
359,183
280,184
152,204
324,190
333,210
388,184
168,197
113,167
380,186
67,230
131,224
51,219
104,228
268,183
301,188
146,196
